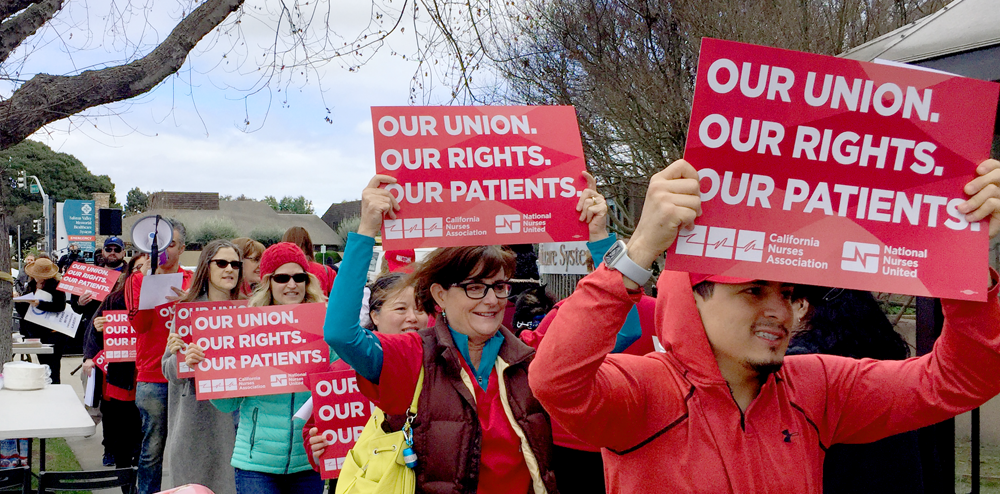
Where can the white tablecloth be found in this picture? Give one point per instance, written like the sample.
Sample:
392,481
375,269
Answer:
55,411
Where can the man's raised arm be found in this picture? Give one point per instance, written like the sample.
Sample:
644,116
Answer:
603,400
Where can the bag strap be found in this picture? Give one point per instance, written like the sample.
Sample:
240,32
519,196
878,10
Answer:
416,392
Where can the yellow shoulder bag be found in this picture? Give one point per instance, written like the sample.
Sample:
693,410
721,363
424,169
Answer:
380,462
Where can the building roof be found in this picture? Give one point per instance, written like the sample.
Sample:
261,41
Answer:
248,216
961,26
340,212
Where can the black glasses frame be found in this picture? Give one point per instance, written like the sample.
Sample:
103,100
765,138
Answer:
486,289
223,263
112,248
284,278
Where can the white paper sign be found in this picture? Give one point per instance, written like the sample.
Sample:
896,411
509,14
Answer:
563,258
65,322
156,288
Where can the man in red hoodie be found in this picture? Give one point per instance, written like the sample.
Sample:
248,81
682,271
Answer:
722,410
151,328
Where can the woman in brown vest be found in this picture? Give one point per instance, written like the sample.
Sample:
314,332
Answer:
478,427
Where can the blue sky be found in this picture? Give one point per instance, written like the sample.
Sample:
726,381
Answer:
186,135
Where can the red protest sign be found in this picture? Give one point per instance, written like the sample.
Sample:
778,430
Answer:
834,172
119,337
101,361
259,350
340,412
182,326
81,278
480,175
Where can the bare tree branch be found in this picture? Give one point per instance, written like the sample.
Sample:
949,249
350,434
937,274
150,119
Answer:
10,7
13,31
46,98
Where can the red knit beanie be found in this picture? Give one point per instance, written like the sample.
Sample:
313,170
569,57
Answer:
280,254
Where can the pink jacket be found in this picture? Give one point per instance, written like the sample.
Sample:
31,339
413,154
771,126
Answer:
668,422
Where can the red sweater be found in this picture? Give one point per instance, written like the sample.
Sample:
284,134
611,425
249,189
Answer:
151,330
325,274
670,424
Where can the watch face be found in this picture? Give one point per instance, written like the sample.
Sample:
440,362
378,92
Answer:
613,252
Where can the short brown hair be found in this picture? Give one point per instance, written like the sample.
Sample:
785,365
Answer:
300,236
451,265
249,248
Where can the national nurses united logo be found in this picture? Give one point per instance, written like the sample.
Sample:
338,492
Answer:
860,257
508,223
279,380
721,243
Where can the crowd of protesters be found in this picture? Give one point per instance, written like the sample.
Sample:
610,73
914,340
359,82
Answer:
610,390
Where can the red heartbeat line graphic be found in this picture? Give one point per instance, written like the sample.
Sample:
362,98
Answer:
396,227
686,237
751,246
509,224
432,227
413,228
721,243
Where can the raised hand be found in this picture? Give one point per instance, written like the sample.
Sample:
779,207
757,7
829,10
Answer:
376,202
673,201
593,209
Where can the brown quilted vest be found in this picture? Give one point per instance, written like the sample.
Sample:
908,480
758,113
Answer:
446,433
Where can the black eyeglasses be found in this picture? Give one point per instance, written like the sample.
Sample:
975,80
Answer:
222,263
476,291
283,278
112,248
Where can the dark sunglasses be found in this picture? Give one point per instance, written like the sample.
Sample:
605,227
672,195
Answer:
283,278
112,248
222,263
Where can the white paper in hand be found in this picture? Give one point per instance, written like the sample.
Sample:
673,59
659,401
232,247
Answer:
156,288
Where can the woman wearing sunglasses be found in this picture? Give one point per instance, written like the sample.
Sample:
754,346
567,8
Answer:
478,426
200,437
269,456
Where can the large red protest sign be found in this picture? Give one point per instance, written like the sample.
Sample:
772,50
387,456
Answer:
183,313
81,278
340,413
480,175
835,172
259,350
119,337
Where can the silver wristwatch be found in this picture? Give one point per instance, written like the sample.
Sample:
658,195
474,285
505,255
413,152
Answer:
617,258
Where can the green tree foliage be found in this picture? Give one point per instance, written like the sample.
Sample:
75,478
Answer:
266,236
288,204
62,176
348,225
136,201
213,229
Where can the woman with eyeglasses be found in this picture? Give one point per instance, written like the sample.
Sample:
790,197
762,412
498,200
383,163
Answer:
478,427
269,456
200,437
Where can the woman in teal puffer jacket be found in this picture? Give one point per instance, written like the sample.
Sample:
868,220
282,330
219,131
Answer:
269,456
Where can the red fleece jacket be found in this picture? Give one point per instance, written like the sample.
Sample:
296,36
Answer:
669,423
150,329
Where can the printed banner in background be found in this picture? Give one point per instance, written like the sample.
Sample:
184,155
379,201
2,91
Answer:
563,258
119,337
81,278
340,413
833,172
256,351
480,175
183,313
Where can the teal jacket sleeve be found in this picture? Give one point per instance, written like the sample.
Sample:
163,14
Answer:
631,331
342,329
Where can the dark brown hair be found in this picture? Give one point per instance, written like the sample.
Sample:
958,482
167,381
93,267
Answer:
299,236
451,265
200,280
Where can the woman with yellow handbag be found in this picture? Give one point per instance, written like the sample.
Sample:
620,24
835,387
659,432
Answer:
477,427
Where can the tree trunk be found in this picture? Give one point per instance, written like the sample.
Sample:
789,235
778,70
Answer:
6,288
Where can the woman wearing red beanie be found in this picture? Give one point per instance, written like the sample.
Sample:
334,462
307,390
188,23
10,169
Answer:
269,456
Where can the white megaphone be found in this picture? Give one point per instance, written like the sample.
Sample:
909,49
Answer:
150,234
